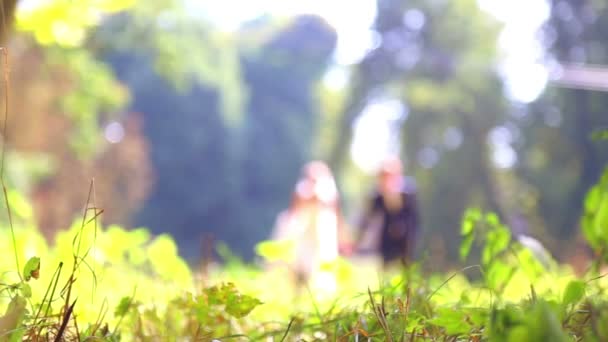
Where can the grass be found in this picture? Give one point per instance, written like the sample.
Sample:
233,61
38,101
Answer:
109,284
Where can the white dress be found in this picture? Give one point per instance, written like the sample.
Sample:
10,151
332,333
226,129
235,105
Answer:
314,231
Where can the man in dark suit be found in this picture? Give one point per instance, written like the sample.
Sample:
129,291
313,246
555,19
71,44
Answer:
394,209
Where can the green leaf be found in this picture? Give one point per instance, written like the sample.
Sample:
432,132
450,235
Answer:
518,334
602,331
165,261
453,321
600,135
19,205
594,221
592,199
202,309
469,218
414,321
504,320
236,304
589,232
282,250
216,295
31,269
574,292
239,305
544,325
123,307
465,246
26,290
467,227
601,217
499,274
492,219
478,317
497,240
531,266
500,239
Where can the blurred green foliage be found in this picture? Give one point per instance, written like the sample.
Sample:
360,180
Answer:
230,117
64,22
184,50
443,72
221,162
595,219
97,92
62,28
556,131
132,286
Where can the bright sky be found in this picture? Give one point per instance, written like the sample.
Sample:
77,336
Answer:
522,68
354,35
525,75
376,133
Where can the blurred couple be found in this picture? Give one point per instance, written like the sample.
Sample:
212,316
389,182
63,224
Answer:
320,234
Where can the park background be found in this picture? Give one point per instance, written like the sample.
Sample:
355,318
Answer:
194,118
148,147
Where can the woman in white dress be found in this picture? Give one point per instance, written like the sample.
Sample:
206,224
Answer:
314,224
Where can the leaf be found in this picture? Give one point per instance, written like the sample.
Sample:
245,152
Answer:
465,246
163,257
544,325
478,317
26,290
31,269
20,205
595,219
492,219
239,305
592,199
575,290
414,321
497,241
469,218
215,295
518,334
282,250
504,320
601,134
236,304
499,274
453,321
601,217
602,331
531,266
123,307
589,232
467,227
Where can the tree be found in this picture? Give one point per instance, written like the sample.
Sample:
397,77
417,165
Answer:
281,122
60,98
558,128
7,14
215,174
438,59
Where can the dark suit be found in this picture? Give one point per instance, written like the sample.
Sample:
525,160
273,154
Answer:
399,228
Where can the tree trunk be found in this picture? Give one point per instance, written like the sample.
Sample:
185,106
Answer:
7,14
